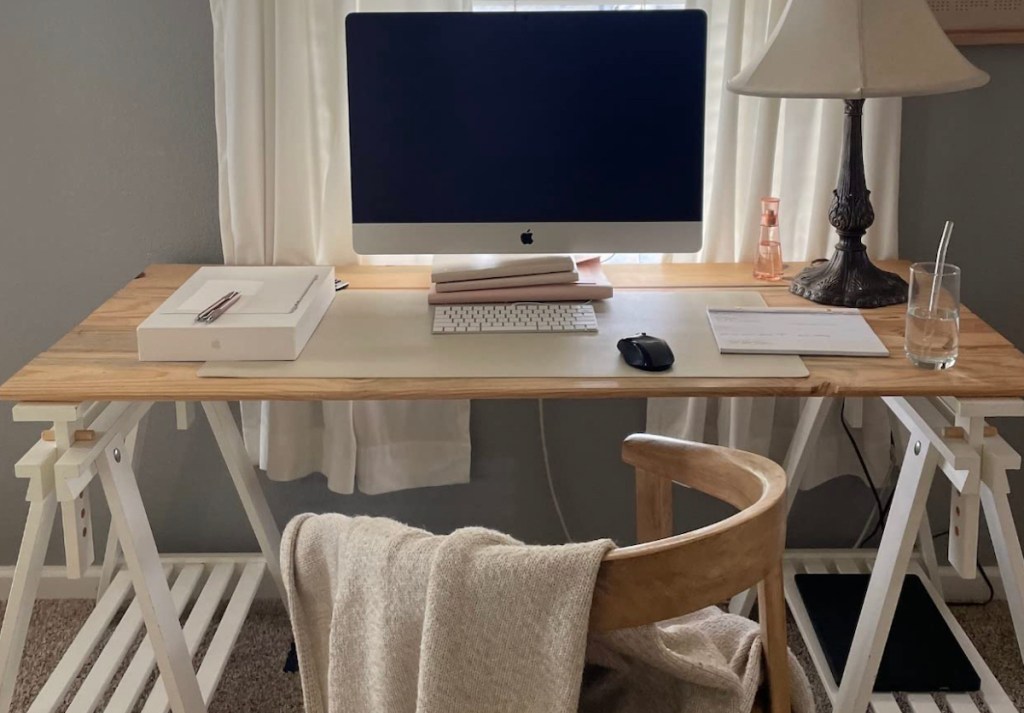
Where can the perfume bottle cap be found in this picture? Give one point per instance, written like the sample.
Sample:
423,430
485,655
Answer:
770,212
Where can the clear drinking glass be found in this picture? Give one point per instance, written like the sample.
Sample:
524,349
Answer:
933,316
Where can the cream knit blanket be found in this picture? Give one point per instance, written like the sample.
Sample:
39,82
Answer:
391,619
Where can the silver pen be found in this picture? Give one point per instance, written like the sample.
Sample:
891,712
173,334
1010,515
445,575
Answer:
211,313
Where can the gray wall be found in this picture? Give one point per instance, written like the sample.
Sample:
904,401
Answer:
107,149
107,163
963,160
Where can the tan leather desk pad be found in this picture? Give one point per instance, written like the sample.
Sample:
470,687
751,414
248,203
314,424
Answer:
386,334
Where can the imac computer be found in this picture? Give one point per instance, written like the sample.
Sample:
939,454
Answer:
529,132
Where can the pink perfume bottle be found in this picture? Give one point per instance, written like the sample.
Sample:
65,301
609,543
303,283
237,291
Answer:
768,261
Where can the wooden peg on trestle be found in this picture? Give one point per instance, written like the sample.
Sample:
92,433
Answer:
83,435
960,433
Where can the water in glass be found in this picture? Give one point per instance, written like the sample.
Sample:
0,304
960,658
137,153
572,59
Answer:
933,338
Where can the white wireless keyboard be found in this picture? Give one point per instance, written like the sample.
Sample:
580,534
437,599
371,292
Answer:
516,317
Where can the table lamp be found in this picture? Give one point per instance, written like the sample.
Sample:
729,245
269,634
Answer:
854,50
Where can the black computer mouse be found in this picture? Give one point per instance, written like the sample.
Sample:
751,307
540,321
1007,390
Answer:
642,351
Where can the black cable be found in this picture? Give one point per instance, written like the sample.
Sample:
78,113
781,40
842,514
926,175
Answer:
888,503
991,589
883,511
881,521
863,465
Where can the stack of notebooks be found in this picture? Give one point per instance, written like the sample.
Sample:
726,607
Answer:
501,278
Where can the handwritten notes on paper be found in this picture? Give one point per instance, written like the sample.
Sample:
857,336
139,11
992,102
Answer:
806,332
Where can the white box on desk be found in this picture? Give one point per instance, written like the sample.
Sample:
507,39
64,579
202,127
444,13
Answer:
172,334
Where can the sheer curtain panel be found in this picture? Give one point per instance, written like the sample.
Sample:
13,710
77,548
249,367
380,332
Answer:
753,148
282,140
788,148
282,143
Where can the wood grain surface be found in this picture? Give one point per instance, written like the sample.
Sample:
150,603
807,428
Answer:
97,360
996,36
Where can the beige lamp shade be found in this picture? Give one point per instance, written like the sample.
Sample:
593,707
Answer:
856,49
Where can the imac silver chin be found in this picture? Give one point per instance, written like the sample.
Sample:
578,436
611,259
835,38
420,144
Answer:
525,238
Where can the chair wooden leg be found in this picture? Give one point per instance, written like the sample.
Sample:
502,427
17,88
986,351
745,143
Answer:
772,614
653,507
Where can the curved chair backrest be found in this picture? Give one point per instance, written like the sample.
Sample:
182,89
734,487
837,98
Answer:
668,576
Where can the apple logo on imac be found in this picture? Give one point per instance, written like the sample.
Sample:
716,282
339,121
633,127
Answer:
527,237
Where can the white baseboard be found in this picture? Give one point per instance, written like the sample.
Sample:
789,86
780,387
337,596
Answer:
55,584
970,591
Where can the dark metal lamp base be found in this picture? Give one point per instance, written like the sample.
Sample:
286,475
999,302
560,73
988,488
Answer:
849,279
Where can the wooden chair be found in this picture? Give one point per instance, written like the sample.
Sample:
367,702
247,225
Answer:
667,576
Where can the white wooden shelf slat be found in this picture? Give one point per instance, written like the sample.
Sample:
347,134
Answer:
848,567
131,685
961,703
815,567
103,669
922,703
230,626
884,703
195,628
51,696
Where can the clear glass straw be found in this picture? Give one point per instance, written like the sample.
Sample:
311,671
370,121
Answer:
940,266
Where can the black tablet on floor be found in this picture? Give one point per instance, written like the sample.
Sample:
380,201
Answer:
921,656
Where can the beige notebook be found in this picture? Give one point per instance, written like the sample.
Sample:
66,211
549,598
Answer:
478,267
498,283
592,285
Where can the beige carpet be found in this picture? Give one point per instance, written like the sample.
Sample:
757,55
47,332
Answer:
254,680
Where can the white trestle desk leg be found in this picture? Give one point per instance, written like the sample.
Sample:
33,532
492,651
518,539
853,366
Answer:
994,491
926,543
812,417
111,557
163,629
27,573
247,483
901,531
112,551
813,413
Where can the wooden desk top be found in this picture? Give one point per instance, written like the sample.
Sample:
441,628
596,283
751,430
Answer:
97,360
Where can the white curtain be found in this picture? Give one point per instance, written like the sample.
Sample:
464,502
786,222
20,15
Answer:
282,142
791,149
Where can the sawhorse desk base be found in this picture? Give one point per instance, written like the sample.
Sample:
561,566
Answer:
59,472
98,361
862,562
976,465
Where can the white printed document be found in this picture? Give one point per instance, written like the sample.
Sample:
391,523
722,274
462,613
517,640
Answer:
802,331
